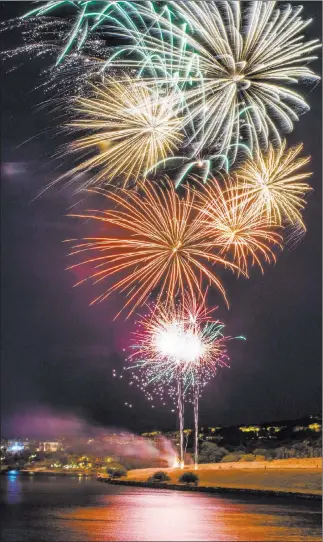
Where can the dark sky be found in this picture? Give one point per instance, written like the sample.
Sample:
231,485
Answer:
59,353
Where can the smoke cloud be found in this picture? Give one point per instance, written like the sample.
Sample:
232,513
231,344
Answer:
80,436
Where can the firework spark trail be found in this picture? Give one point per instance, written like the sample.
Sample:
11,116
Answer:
196,423
162,242
93,18
180,403
237,224
202,162
275,185
43,37
78,43
132,20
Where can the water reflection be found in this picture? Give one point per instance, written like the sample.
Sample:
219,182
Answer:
165,516
13,488
69,509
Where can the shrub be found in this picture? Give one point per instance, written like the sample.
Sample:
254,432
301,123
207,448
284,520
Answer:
231,458
248,457
211,453
116,472
283,453
260,458
189,478
159,476
268,454
261,451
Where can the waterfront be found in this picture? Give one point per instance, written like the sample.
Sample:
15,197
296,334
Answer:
69,509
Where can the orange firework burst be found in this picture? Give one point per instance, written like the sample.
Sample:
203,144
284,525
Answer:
162,241
236,225
275,184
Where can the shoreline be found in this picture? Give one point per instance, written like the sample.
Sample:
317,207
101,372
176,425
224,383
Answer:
214,489
205,486
284,477
52,473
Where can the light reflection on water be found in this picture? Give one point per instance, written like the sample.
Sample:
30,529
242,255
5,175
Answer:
66,509
14,488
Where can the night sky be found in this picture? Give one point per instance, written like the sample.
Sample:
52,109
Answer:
59,353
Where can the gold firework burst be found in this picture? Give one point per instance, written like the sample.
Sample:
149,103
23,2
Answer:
129,128
275,185
236,225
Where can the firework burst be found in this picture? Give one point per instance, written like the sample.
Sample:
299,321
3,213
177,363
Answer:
274,184
245,59
230,65
175,353
128,129
162,242
182,343
236,225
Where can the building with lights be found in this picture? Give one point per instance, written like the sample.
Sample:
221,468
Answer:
49,446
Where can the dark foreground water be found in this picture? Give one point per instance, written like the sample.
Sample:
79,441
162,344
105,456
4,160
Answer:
62,509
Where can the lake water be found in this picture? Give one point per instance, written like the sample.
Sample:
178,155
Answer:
64,509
